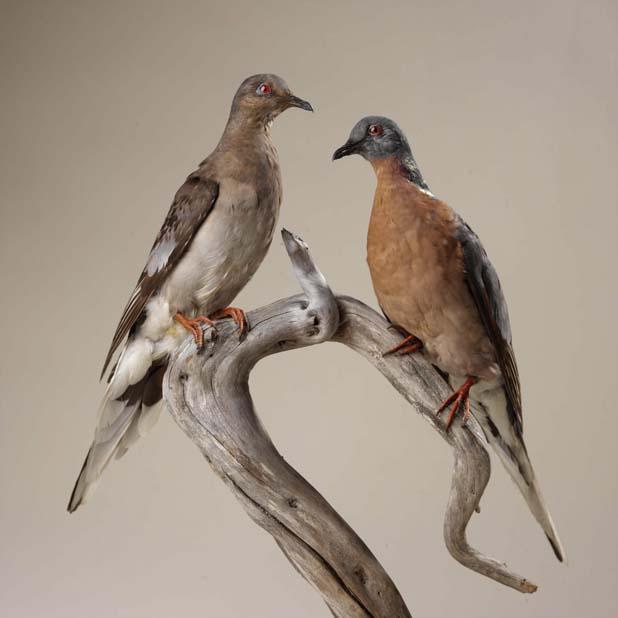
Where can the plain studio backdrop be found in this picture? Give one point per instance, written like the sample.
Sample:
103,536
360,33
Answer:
107,106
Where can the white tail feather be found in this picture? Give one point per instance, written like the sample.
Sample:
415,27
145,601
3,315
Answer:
142,423
120,421
512,452
115,419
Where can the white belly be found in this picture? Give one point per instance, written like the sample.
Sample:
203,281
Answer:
225,253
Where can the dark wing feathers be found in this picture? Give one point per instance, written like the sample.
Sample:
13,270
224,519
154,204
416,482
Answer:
485,288
192,204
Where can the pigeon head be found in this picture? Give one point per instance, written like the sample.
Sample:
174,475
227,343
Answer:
375,137
263,97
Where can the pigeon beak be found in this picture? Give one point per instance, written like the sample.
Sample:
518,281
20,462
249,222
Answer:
300,103
347,149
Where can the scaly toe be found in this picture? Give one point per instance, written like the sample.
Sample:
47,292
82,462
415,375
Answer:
409,344
239,317
457,398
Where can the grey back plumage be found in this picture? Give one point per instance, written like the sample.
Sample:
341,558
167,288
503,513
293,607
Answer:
485,288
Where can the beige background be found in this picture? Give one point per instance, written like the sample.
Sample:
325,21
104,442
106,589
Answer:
106,106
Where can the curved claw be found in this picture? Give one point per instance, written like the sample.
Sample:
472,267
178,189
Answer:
194,326
457,398
408,345
238,315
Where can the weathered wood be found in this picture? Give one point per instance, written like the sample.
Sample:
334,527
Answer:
368,333
208,396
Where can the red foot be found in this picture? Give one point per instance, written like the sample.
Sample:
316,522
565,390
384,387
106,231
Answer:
193,325
410,343
459,397
238,315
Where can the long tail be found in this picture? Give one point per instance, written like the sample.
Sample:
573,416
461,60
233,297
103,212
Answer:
127,412
511,450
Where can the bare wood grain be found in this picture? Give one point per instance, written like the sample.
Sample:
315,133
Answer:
208,396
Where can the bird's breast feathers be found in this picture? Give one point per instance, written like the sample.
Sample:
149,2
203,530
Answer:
225,252
416,268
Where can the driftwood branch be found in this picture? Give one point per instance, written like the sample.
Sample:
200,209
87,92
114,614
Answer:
208,396
366,332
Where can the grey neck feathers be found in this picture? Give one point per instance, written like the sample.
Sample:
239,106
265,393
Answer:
411,171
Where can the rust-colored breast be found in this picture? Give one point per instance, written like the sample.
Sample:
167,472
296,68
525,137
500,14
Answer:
417,273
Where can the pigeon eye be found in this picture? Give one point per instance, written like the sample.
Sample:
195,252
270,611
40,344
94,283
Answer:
374,129
264,89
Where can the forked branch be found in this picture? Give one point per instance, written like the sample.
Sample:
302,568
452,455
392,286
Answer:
208,396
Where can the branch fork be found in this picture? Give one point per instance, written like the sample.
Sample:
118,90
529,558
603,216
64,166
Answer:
208,396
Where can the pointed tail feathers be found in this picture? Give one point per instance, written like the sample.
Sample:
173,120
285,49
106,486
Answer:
511,450
126,413
115,419
150,392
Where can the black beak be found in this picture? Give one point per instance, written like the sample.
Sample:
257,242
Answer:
300,103
347,149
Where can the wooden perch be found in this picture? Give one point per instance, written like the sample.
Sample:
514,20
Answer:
208,396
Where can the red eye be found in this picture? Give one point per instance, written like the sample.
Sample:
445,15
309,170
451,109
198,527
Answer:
374,129
264,89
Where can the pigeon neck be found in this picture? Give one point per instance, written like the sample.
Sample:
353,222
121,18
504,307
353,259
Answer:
410,170
245,127
399,166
